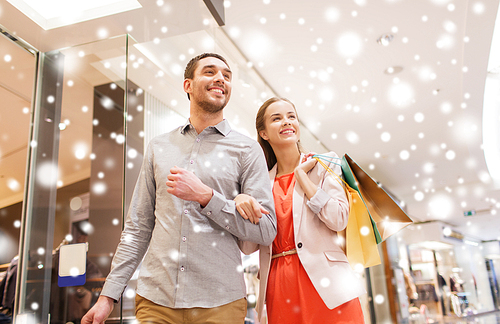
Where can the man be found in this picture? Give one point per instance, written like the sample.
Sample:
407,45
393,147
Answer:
183,215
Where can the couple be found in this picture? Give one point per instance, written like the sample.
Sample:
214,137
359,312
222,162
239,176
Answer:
203,193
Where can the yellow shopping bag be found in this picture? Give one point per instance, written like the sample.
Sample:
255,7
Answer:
360,243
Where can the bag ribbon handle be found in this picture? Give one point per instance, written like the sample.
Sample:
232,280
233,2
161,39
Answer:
336,176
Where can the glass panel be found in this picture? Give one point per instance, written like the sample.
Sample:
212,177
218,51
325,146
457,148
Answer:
84,197
17,74
39,207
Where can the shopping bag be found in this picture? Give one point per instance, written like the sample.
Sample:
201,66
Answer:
360,243
388,217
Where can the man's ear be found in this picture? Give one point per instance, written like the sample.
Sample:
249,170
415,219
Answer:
263,135
187,86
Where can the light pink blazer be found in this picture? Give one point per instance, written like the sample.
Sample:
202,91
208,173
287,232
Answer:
316,223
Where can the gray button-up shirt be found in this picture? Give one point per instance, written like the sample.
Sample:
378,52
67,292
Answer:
191,254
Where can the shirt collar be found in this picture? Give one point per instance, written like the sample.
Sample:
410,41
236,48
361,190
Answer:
223,127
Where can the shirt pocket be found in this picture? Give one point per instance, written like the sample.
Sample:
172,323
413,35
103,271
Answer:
336,256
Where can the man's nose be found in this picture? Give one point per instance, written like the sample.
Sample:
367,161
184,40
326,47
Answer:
219,76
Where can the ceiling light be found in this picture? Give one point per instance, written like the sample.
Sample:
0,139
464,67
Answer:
393,70
492,256
434,245
491,116
385,39
471,243
490,128
50,14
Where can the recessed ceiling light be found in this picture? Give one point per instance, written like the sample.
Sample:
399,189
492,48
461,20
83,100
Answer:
393,70
385,39
50,14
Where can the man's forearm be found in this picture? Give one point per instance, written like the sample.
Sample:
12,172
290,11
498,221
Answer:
224,213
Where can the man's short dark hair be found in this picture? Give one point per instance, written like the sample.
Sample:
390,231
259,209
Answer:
193,63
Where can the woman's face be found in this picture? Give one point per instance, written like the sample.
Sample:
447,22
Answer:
281,124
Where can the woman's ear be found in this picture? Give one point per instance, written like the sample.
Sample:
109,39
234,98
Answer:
263,135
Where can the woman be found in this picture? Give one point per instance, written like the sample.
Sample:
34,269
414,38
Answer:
304,276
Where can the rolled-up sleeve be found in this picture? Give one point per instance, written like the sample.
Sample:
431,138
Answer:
318,201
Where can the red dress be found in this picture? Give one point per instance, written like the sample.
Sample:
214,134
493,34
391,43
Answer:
291,297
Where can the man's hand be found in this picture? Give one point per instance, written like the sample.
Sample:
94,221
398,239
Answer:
99,312
185,185
249,208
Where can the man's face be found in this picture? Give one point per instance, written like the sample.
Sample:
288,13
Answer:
210,87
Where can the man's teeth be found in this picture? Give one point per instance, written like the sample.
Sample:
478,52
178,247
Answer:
217,90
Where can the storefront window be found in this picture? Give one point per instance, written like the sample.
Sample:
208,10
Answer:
75,184
17,66
447,275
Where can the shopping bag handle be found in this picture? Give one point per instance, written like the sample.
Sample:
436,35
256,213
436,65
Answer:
336,176
327,158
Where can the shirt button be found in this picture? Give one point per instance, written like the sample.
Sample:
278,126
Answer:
186,211
182,268
299,245
184,239
197,140
209,213
227,227
191,161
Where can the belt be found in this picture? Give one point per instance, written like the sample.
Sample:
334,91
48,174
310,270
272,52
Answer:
284,253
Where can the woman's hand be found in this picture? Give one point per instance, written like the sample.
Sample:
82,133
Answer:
301,170
307,163
249,208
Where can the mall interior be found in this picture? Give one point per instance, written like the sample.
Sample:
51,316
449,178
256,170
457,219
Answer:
409,89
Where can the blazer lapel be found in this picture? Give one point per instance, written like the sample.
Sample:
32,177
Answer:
298,203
